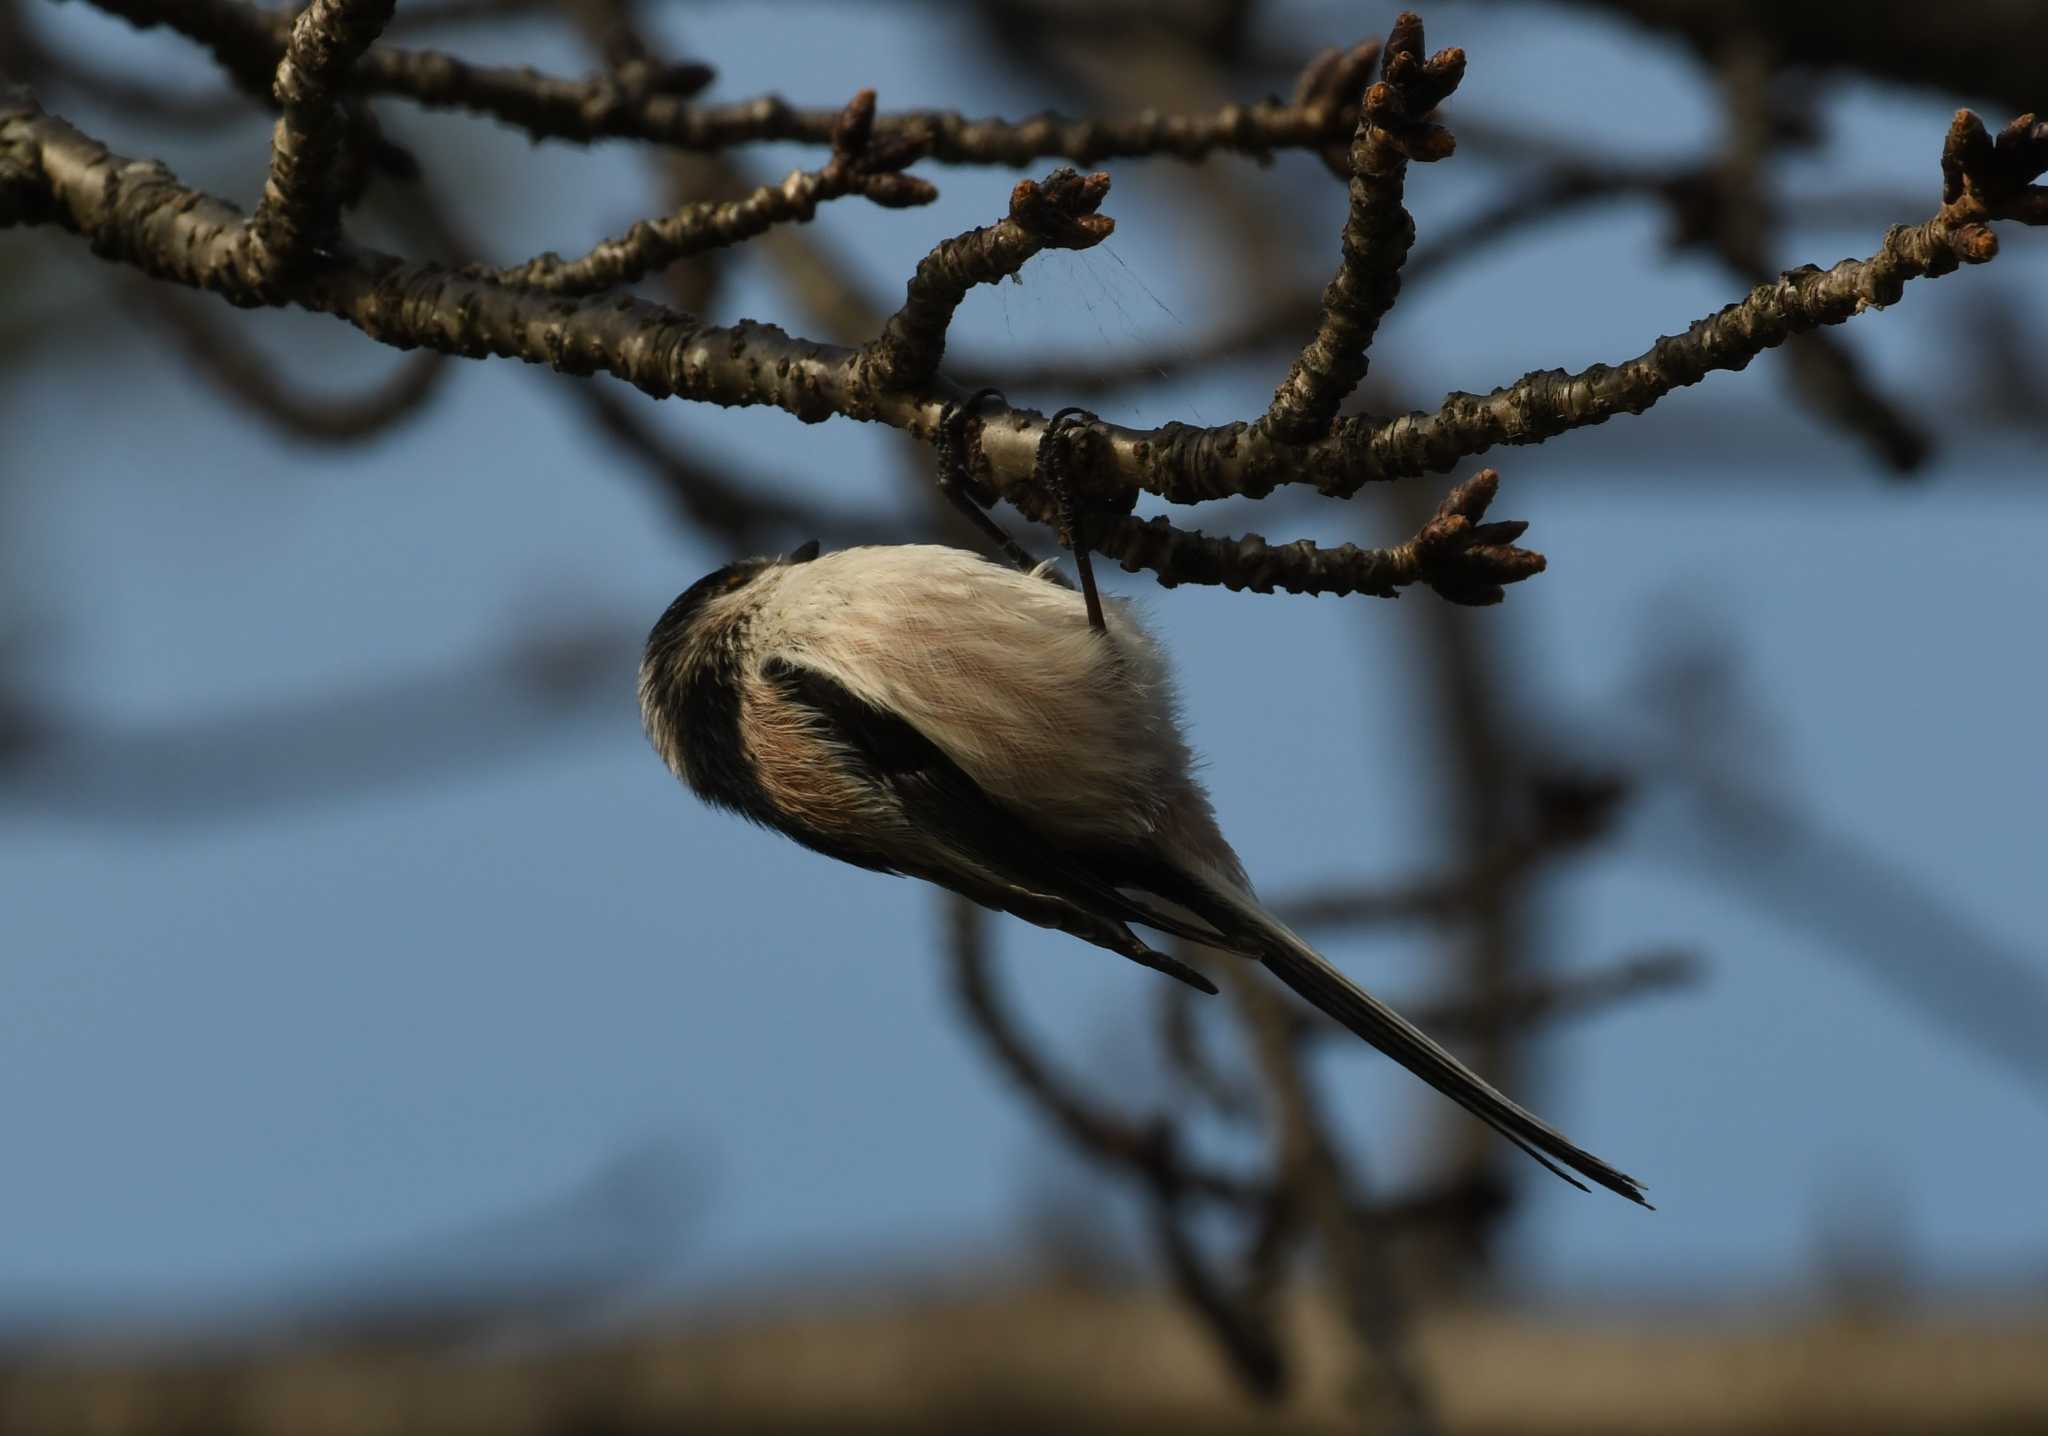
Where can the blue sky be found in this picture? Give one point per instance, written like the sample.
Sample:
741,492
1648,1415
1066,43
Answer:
281,1001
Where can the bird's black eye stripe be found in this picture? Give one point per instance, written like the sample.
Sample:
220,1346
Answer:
704,706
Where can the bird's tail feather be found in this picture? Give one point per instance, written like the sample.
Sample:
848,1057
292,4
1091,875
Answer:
1311,975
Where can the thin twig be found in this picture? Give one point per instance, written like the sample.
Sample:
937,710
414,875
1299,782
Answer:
1057,214
247,38
138,213
1180,1041
1393,128
1561,191
1461,559
855,168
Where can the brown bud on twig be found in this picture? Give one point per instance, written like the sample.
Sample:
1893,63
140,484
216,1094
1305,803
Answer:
1967,149
1331,84
1060,211
1411,87
1466,561
642,78
898,191
1986,179
860,166
854,127
1404,41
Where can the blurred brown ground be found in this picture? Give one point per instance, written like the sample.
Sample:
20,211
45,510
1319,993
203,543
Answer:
1052,1358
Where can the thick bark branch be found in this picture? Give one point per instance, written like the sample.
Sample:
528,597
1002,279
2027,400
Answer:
300,210
1549,402
137,213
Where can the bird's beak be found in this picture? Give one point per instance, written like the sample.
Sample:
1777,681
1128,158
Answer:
802,553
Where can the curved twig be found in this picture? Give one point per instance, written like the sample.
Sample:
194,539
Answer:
857,167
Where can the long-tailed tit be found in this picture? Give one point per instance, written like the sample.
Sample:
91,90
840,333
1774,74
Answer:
921,710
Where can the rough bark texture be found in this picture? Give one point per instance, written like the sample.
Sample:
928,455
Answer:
551,311
1393,128
300,210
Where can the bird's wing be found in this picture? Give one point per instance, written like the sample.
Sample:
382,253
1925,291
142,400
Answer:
958,836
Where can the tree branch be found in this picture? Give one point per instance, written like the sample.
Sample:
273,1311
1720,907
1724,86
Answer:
1059,214
137,213
1731,212
1393,128
300,209
1549,402
249,40
1463,560
1566,187
857,167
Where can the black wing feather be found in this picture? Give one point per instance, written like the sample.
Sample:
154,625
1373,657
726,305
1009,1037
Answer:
940,797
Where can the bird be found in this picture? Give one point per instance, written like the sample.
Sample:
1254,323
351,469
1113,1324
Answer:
920,710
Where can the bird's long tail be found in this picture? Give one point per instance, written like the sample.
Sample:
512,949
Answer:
1305,970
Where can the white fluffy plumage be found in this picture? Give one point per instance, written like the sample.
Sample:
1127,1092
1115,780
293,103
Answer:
999,669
